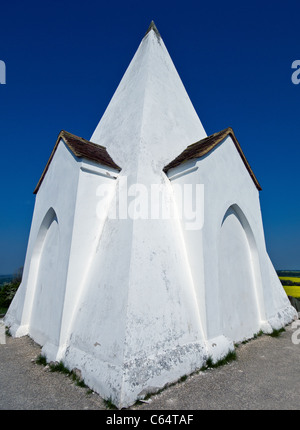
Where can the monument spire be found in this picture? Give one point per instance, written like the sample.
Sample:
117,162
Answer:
146,254
150,110
153,27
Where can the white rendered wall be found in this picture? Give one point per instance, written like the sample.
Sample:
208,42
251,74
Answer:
49,296
142,304
227,184
145,329
64,235
90,215
52,196
239,307
150,118
148,303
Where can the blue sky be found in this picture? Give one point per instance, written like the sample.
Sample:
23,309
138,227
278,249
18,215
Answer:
64,60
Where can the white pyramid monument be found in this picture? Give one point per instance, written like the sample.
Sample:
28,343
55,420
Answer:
146,252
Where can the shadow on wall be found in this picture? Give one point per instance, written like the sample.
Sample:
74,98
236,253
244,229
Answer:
238,275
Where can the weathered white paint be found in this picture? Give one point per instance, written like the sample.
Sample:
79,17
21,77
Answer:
52,200
49,305
225,277
237,289
133,303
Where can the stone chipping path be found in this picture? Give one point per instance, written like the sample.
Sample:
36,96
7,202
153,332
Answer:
266,375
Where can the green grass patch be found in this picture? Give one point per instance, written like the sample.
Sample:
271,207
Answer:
231,356
255,336
41,359
79,382
59,367
277,333
109,404
260,333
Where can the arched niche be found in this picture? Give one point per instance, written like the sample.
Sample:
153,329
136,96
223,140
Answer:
47,303
239,277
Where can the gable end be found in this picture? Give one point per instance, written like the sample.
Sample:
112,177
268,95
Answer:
205,146
81,148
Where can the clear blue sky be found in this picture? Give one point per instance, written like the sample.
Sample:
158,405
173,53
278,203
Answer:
65,59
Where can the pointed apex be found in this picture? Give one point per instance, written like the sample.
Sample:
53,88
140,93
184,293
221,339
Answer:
149,111
152,26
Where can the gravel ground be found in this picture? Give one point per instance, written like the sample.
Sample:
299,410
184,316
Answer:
266,375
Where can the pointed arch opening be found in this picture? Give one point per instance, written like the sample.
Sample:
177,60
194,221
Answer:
46,307
239,277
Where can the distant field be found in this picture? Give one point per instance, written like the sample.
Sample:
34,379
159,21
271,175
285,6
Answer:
291,290
290,278
289,273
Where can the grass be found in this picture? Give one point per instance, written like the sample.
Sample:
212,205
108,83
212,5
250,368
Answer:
41,359
260,333
79,382
109,404
277,332
61,368
255,336
274,333
231,356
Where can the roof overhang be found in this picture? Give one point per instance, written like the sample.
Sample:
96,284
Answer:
205,146
81,148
